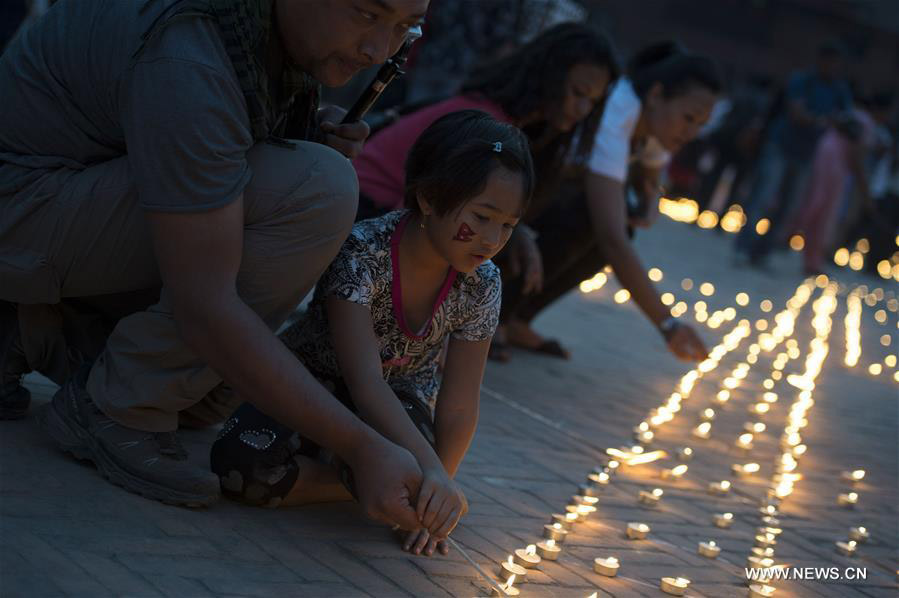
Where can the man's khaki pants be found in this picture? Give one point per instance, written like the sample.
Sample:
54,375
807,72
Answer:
76,255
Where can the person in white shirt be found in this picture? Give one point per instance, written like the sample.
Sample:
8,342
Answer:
650,114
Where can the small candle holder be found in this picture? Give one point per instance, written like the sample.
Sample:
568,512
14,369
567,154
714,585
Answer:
760,590
848,500
723,520
567,520
507,587
754,427
762,553
745,470
768,511
709,549
650,499
674,473
554,532
637,531
509,568
579,499
548,550
744,442
590,490
859,534
720,488
756,562
766,529
765,540
760,409
853,477
703,431
644,437
684,453
676,586
527,557
599,480
573,510
583,510
847,548
606,566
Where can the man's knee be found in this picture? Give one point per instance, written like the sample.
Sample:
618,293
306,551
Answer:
339,187
308,186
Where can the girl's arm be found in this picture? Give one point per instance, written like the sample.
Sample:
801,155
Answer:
356,346
440,502
457,401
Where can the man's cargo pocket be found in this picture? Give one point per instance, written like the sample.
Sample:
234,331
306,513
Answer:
27,277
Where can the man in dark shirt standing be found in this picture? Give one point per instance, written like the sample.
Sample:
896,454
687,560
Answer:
143,154
808,105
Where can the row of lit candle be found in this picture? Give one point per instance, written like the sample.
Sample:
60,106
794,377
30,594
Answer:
766,538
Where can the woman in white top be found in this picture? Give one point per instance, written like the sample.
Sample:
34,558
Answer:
667,96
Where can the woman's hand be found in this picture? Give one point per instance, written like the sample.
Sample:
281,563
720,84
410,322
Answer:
422,542
441,503
686,344
525,260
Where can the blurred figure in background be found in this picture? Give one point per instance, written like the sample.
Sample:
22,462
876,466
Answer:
806,109
839,154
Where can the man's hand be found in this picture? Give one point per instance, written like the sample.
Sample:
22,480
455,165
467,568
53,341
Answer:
422,542
387,480
686,344
347,139
441,503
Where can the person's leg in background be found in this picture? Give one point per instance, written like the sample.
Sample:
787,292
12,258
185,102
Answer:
783,212
570,255
765,191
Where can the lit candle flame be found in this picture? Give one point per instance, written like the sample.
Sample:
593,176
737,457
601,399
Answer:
531,549
550,543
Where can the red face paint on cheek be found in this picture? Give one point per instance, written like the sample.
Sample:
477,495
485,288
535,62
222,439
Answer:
464,233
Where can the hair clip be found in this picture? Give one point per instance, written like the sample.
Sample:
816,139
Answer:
498,146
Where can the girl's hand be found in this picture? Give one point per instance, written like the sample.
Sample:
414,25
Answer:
441,503
422,542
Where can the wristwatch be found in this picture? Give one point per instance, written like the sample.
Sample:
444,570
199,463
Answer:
668,327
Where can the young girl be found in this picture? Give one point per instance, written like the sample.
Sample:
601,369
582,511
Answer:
401,284
553,88
666,97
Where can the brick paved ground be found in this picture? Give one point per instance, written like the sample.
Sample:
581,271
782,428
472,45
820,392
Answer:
543,424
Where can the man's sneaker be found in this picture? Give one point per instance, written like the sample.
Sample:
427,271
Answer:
151,464
14,398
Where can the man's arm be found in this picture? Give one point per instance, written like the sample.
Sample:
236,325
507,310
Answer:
199,257
440,502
